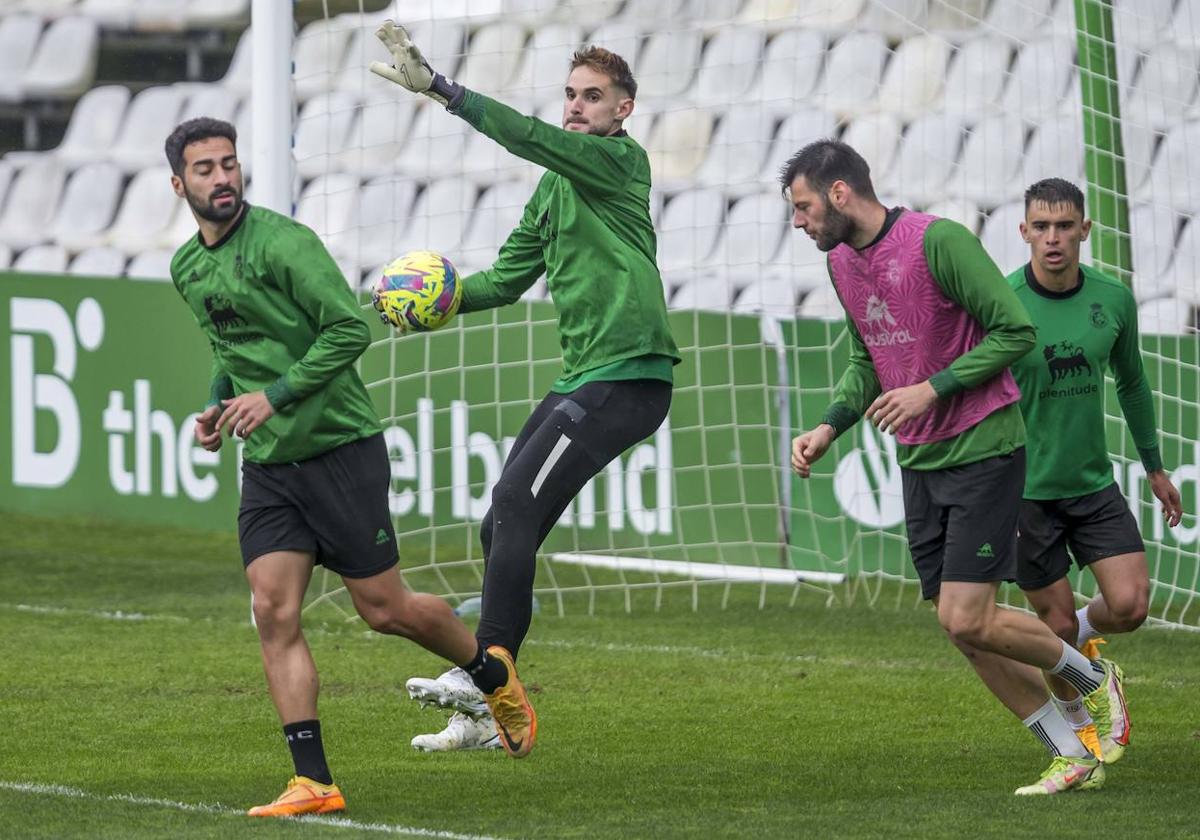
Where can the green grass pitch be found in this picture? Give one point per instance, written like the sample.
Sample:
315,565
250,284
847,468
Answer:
135,706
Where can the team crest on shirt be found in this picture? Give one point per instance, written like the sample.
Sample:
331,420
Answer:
1098,318
893,273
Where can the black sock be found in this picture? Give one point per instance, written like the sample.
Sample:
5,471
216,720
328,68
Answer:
308,754
488,674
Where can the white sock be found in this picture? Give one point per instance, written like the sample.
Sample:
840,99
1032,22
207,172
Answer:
1078,670
1086,631
1074,711
1052,729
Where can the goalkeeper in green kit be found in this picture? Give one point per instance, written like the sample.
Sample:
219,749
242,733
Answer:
588,229
1086,322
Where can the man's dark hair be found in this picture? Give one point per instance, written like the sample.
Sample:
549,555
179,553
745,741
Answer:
1052,191
824,161
193,131
610,64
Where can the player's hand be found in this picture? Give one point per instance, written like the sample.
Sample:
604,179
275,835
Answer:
245,413
893,409
207,434
808,448
1168,494
409,69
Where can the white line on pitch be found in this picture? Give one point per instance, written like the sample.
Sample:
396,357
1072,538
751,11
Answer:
224,810
112,615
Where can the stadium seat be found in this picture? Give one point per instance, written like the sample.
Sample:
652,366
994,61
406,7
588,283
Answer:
976,76
439,218
6,257
712,15
545,63
986,171
1167,316
318,52
966,213
42,259
688,229
704,292
822,304
145,213
650,15
1165,87
379,214
1182,277
894,19
1040,79
327,206
152,115
791,68
18,39
7,172
239,73
1001,236
95,123
751,235
538,291
1142,24
875,137
667,63
111,14
620,36
487,162
677,145
88,206
738,149
1154,229
218,14
927,153
801,127
64,65
47,9
321,133
799,261
1139,141
442,42
913,79
587,13
1174,177
853,70
727,66
151,265
32,202
435,144
161,15
492,57
207,100
98,262
765,295
377,136
1055,151
955,21
1018,20
827,15
498,212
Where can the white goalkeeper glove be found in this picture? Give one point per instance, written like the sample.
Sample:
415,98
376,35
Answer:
410,70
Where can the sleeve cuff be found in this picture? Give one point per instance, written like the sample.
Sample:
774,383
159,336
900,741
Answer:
279,394
945,383
841,416
1151,459
460,101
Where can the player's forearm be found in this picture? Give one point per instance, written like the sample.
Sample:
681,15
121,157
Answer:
577,157
337,347
220,389
999,350
1137,405
857,389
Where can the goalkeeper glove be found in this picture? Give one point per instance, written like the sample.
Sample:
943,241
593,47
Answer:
410,70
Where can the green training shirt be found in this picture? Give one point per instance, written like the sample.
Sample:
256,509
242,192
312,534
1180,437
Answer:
588,229
968,276
1080,333
281,319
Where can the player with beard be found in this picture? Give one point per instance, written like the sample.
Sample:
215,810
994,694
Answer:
933,328
588,229
285,332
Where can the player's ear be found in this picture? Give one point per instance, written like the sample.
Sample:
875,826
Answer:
177,185
1024,233
839,193
624,108
1085,229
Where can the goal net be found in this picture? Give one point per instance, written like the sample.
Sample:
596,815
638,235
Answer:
957,106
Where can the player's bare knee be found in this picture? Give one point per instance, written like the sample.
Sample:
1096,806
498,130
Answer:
965,629
1129,612
275,617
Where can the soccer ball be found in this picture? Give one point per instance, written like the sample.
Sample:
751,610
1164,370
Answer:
418,292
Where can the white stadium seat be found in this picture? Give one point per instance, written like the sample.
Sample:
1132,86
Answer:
1040,79
18,39
218,14
98,262
751,235
587,13
875,137
801,127
799,261
766,295
1141,24
688,229
1153,229
146,212
318,53
239,73
705,292
738,149
322,129
497,214
6,256
377,136
791,68
667,63
435,144
1182,277
160,15
7,172
1018,20
913,79
987,169
728,67
439,217
64,65
1167,316
620,36
1055,151
927,154
822,303
486,162
1001,236
653,14
966,213
1174,177
976,76
112,14
95,123
32,202
493,56
1165,87
88,206
894,19
152,115
677,145
208,100
379,214
545,63
46,259
327,206
853,70
151,265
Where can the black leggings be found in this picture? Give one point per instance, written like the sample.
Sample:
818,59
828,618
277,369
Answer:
567,440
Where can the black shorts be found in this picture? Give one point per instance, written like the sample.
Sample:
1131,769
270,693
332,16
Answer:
334,505
962,521
1094,526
